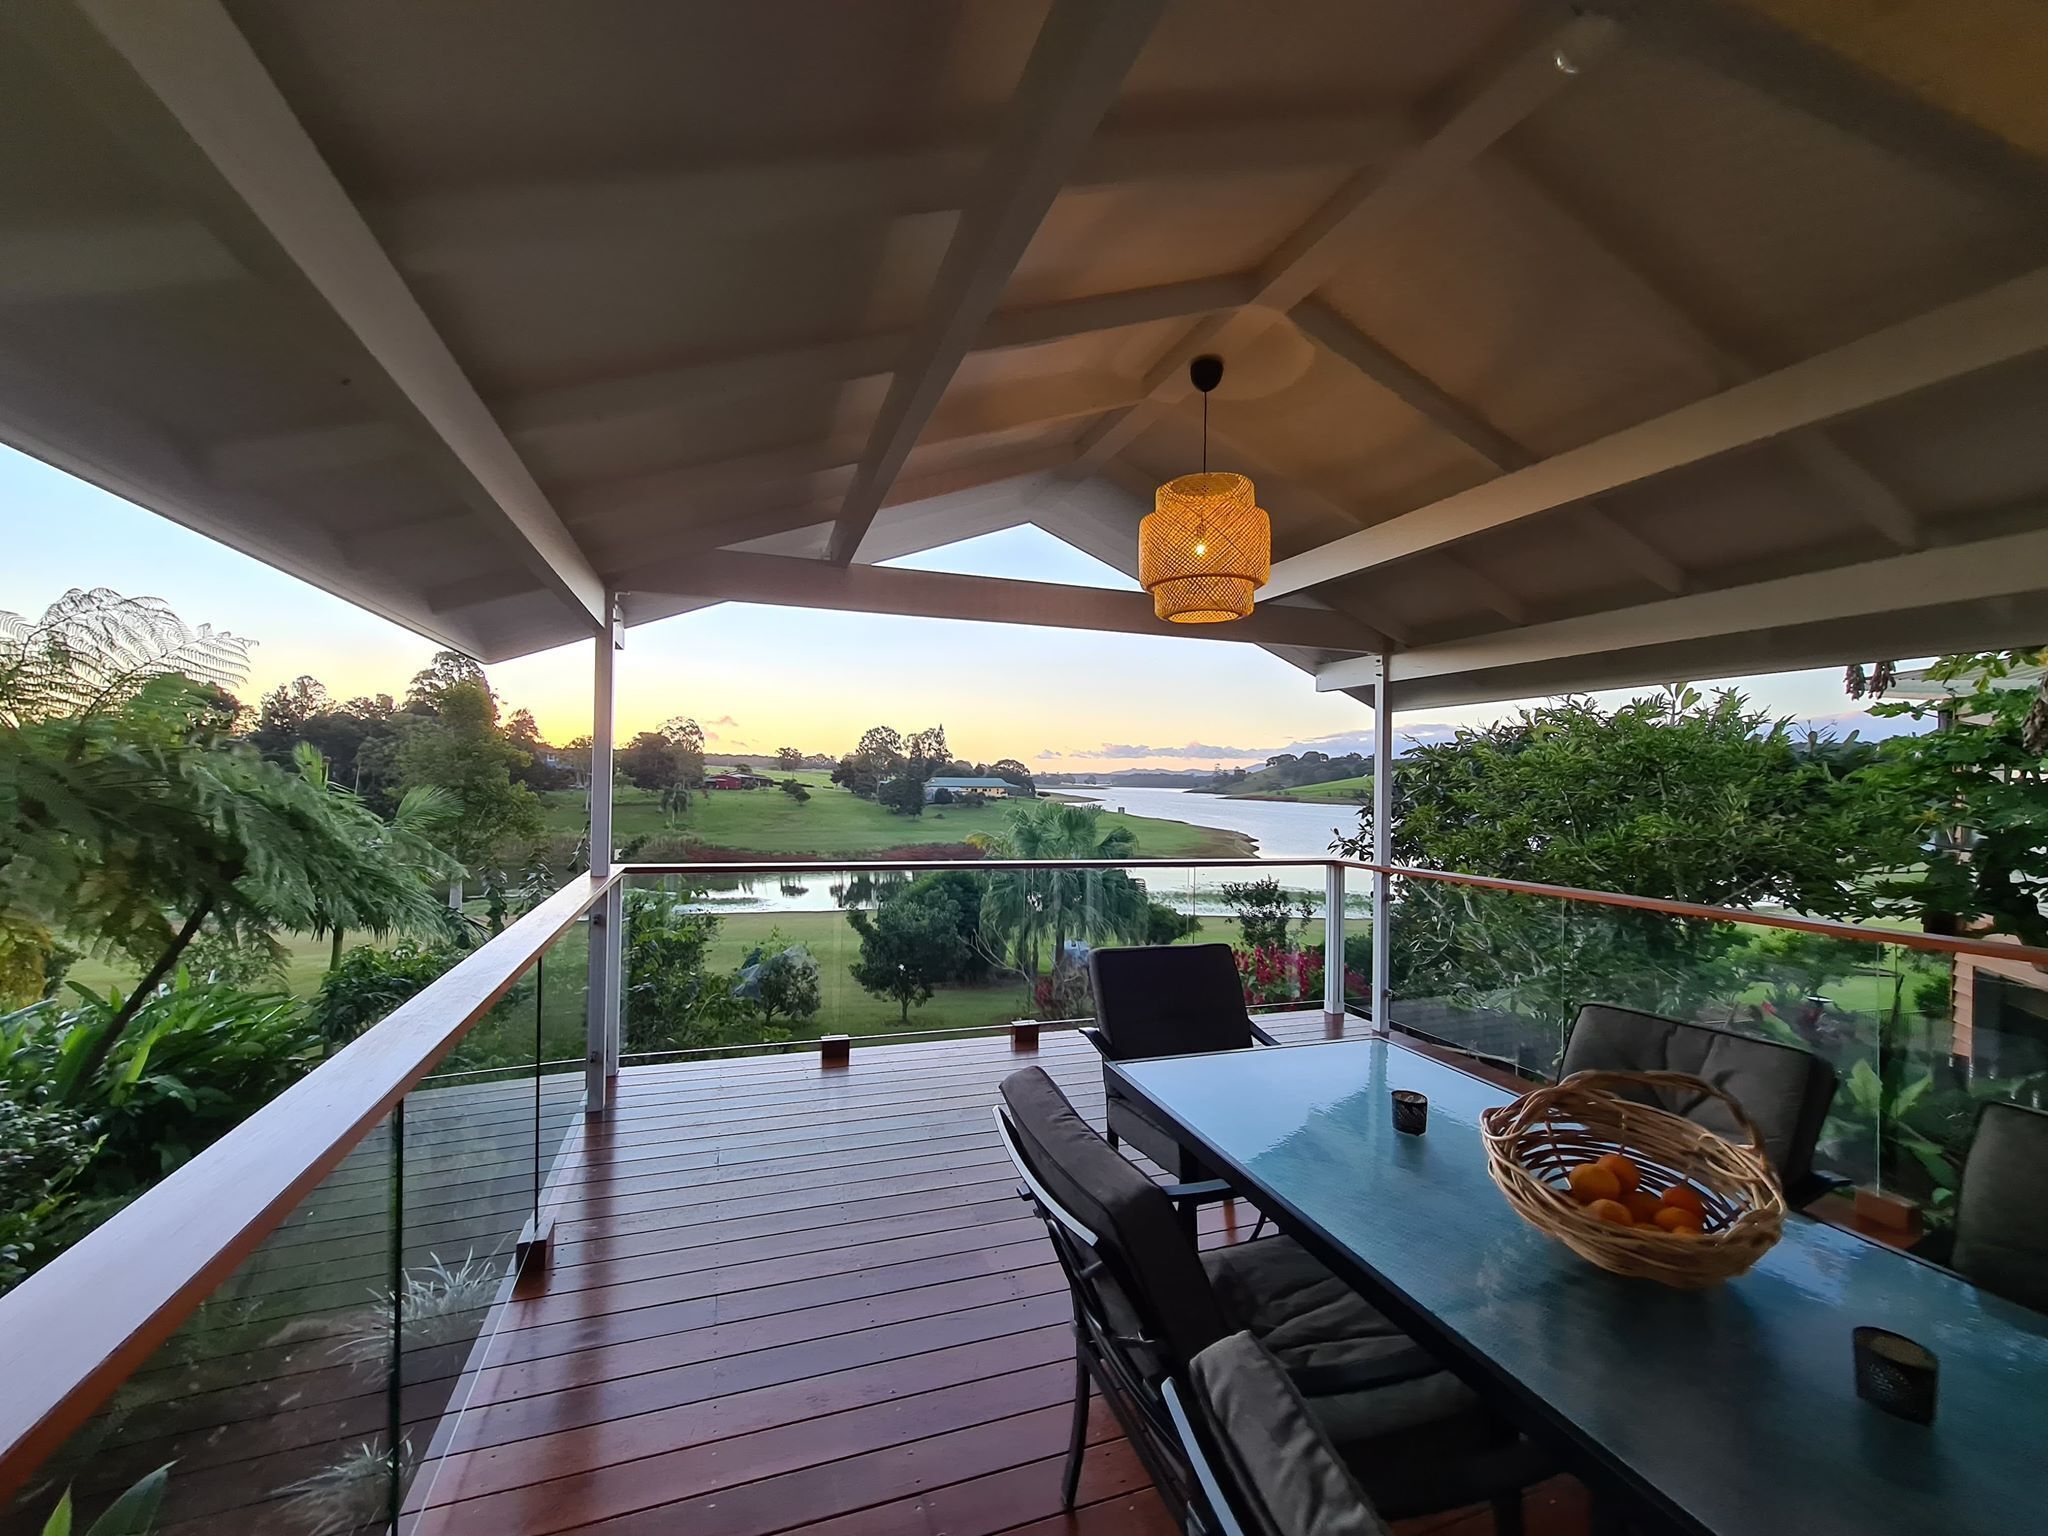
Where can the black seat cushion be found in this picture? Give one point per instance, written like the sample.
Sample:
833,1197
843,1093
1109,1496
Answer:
2001,1239
1784,1089
1335,1342
1131,1217
1168,1000
1288,1477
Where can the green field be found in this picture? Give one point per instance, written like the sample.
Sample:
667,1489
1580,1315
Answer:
1354,791
835,822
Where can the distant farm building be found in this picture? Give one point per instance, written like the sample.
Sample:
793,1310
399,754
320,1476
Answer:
738,781
995,788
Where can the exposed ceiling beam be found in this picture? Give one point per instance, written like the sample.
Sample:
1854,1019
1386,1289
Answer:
714,527
1982,572
763,370
1821,81
1536,210
443,230
1026,404
1999,325
1372,200
1344,341
733,576
1075,71
283,209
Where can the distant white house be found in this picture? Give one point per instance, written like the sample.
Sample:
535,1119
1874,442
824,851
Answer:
995,788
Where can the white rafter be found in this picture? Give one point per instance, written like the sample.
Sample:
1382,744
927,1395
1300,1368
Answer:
291,210
1999,325
1343,340
1980,576
734,576
1074,73
1373,199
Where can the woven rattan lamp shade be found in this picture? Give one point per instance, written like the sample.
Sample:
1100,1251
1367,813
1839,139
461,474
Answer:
1206,548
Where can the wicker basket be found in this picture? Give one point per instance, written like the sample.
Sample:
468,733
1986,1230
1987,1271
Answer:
1533,1143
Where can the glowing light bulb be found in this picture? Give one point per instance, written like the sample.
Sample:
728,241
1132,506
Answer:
1201,549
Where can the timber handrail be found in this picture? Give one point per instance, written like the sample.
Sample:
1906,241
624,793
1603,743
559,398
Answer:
77,1328
1905,938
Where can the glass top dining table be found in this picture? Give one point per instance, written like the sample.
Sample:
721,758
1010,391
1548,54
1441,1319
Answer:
1729,1410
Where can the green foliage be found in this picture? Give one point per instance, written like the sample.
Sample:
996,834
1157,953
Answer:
1024,910
1672,796
903,794
45,1150
1976,793
907,949
779,980
672,1002
462,753
195,1060
367,983
132,1514
795,788
1262,909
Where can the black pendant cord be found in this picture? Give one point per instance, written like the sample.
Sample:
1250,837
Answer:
1205,431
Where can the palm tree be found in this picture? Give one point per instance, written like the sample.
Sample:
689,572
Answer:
1024,907
411,840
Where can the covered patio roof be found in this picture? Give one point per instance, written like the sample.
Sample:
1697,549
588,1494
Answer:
1567,346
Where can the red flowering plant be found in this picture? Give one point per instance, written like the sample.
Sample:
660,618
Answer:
1270,974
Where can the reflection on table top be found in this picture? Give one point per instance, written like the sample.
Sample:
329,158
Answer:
1733,1405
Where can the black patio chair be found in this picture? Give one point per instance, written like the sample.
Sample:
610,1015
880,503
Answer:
2001,1231
1261,1463
1164,1000
1146,1302
1786,1090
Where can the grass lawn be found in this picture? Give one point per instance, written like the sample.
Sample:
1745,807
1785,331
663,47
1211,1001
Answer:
835,822
1353,791
305,963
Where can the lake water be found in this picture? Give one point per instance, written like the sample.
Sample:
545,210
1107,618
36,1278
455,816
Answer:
1283,829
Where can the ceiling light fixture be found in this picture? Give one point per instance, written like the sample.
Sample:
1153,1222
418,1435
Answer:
1208,545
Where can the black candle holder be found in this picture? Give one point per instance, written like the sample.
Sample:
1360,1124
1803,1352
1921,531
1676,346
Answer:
1896,1374
1411,1112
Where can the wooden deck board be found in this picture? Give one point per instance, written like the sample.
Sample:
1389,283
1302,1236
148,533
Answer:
790,1298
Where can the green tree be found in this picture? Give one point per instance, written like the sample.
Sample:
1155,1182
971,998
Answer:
907,949
1671,795
461,752
788,759
779,980
1976,793
1029,908
448,669
131,821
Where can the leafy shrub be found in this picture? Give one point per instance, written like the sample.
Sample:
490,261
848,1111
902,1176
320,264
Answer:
197,1058
44,1150
779,978
1164,925
369,983
672,1002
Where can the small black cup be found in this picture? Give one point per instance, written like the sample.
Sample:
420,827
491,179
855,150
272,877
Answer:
1896,1374
1411,1112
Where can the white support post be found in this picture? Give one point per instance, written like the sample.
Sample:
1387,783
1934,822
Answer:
607,920
1382,850
1333,948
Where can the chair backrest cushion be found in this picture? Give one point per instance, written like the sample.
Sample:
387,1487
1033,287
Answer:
1289,1479
1168,1000
2001,1239
1149,1255
1785,1090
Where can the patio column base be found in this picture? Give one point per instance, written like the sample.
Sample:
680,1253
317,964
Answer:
1024,1034
835,1050
1333,1026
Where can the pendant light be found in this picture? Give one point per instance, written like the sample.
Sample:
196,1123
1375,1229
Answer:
1207,545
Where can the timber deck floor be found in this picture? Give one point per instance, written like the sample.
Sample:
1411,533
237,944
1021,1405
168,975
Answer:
786,1298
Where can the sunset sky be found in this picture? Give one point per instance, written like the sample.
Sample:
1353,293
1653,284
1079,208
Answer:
760,678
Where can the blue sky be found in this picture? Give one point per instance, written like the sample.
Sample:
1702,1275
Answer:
758,678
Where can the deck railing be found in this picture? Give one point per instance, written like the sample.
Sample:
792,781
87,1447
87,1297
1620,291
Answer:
294,1313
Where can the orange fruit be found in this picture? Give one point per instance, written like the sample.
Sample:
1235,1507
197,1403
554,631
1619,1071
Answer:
1624,1169
1685,1198
1611,1210
1642,1205
1676,1218
1590,1182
